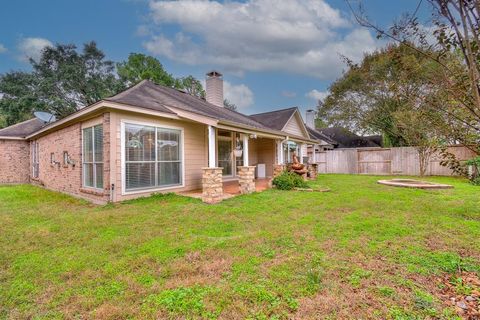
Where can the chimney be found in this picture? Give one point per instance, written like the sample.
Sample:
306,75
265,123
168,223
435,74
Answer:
310,118
214,88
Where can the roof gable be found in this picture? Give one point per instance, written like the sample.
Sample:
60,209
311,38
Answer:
295,125
274,119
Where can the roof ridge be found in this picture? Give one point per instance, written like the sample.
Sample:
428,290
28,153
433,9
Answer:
206,102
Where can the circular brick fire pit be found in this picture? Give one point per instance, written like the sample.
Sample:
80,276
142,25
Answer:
411,183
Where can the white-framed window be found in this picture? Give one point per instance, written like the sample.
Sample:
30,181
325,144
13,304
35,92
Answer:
152,157
93,157
35,160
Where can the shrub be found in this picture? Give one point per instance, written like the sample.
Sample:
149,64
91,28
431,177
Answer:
288,181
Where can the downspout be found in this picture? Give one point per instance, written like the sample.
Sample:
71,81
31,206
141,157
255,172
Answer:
112,192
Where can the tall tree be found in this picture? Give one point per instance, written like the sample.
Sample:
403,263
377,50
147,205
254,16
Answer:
140,67
455,25
19,99
62,81
69,80
370,94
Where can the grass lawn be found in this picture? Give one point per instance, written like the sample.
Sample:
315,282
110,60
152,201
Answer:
362,250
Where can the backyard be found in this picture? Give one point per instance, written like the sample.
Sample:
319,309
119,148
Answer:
362,250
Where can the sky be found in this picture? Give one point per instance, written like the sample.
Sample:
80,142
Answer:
273,54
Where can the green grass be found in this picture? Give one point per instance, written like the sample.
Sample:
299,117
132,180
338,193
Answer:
362,250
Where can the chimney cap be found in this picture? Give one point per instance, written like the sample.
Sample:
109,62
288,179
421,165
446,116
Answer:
310,110
214,73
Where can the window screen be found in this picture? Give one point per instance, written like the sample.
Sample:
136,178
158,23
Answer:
93,157
152,157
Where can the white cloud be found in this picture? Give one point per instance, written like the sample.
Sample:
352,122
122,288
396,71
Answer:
298,36
2,48
32,48
240,95
317,95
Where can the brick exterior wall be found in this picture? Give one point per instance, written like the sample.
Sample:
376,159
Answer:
67,178
14,161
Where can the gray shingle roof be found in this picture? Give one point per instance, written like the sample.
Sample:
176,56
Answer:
315,134
22,129
347,139
148,95
275,119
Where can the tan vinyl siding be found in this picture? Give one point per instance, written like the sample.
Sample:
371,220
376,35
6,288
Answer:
195,155
294,127
262,150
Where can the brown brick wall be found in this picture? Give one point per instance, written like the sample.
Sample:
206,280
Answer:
68,178
14,161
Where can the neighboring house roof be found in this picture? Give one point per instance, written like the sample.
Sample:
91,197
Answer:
22,129
149,95
315,134
378,139
275,119
347,139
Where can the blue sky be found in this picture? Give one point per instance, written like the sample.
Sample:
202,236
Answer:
273,53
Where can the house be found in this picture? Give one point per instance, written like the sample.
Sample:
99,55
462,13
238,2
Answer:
151,138
339,137
348,139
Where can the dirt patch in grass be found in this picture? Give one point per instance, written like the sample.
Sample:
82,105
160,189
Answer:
108,311
198,268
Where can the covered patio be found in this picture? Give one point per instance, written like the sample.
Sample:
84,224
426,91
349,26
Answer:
242,161
231,189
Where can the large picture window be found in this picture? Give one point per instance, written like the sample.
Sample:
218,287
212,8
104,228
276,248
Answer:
152,157
93,157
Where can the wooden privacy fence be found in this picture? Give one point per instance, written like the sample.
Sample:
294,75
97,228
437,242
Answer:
386,161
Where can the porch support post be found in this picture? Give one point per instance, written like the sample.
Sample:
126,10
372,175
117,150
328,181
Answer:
312,171
279,152
211,147
212,185
212,181
300,153
246,179
245,150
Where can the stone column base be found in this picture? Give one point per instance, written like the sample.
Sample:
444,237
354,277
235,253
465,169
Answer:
246,179
278,169
312,171
212,185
